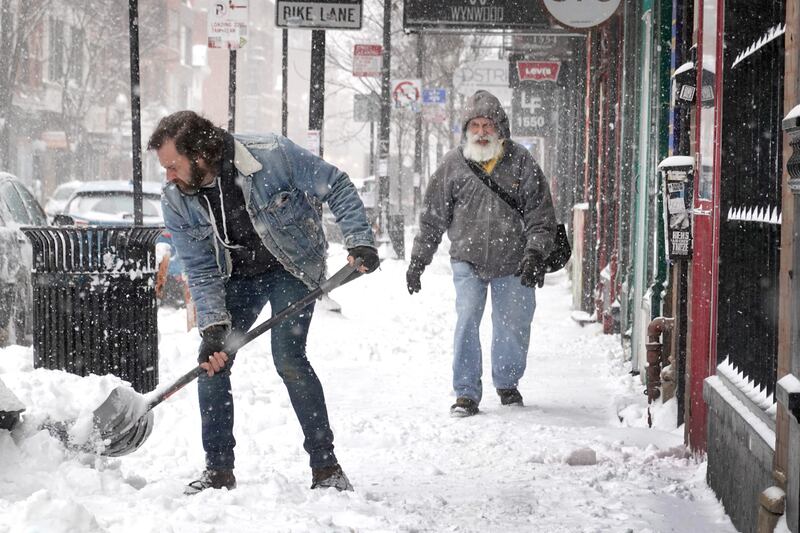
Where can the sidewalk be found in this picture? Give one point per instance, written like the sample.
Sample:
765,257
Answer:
385,365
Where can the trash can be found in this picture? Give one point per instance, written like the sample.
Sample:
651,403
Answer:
94,301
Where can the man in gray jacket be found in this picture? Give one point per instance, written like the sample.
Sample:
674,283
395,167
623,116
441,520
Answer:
493,244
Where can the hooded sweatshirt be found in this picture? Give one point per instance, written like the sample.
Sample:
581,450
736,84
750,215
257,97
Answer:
483,229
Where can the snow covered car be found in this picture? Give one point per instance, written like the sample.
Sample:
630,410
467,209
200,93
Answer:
110,203
18,208
55,204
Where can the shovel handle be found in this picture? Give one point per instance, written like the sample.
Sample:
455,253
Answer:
234,343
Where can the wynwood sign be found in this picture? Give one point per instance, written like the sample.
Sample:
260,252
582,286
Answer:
465,14
506,14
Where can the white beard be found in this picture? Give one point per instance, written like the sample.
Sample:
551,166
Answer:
483,153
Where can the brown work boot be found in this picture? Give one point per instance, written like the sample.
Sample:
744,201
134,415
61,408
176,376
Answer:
330,476
211,479
510,397
464,407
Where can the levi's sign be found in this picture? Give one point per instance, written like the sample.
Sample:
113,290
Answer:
322,14
538,70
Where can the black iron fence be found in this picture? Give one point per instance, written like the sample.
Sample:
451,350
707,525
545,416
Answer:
747,325
94,301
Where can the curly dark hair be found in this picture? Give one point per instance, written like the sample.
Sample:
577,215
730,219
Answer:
194,135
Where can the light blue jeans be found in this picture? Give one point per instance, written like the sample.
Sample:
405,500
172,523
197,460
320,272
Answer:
512,313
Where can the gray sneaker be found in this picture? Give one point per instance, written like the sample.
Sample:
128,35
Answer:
330,476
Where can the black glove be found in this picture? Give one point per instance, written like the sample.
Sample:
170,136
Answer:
213,341
413,274
531,270
368,256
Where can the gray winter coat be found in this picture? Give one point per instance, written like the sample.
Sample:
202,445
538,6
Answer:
483,229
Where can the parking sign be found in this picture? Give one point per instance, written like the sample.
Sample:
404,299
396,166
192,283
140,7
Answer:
434,96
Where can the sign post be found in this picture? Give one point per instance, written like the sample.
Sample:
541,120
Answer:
227,28
318,16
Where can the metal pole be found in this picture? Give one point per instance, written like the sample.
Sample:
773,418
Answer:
418,139
232,91
316,104
136,115
371,147
383,130
285,83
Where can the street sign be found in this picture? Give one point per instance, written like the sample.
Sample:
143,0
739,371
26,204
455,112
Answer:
489,75
319,15
434,96
581,13
538,70
435,114
406,93
367,59
366,108
478,14
227,24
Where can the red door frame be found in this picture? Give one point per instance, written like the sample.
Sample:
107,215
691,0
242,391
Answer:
705,266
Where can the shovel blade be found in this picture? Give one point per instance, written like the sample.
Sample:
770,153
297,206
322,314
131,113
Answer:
122,422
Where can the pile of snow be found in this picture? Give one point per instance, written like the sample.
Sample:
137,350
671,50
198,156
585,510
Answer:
385,364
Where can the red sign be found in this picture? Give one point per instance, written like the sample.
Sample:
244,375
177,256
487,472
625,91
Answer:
538,70
367,59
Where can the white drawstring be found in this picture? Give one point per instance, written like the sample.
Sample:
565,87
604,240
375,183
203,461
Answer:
224,241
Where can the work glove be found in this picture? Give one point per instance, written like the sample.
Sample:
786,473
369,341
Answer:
531,269
413,274
214,338
368,256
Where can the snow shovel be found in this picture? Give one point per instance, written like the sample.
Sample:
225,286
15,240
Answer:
125,419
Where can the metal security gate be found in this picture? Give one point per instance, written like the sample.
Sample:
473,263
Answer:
94,301
747,326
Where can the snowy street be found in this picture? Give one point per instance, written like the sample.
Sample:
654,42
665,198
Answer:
385,364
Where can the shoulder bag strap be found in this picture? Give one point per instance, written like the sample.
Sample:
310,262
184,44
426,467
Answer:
487,180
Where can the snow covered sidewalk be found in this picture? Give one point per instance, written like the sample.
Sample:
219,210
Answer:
564,463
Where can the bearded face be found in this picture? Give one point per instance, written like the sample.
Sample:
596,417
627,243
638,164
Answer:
482,146
197,175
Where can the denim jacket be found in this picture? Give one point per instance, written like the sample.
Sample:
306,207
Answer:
283,185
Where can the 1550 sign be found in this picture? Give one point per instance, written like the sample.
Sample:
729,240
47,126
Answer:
532,111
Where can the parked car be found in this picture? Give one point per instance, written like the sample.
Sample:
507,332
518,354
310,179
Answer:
18,207
110,203
58,199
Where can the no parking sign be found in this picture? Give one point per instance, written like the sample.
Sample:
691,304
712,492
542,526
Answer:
406,93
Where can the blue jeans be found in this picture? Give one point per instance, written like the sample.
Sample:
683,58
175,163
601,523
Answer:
512,313
245,298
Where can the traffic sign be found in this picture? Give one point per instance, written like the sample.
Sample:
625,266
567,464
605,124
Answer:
367,59
434,96
406,93
227,24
